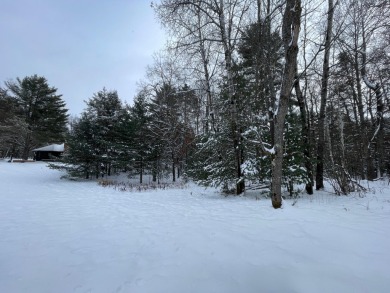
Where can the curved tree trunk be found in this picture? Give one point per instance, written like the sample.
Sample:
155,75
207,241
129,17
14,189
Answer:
291,28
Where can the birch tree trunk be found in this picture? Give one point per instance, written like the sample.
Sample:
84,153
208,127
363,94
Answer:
205,62
378,125
235,128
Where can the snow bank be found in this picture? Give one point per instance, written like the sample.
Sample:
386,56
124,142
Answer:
65,236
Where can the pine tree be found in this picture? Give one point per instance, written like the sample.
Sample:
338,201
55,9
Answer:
104,110
9,124
94,142
79,159
141,144
213,163
42,109
167,130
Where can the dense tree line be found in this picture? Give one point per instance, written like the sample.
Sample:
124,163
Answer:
150,137
289,91
253,93
248,94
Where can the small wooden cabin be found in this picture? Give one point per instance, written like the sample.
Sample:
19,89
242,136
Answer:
49,152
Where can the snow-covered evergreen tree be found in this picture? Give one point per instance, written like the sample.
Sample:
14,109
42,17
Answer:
41,108
94,140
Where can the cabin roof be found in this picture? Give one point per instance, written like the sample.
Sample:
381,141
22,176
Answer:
51,148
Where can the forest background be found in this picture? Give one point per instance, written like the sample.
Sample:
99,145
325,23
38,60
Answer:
247,94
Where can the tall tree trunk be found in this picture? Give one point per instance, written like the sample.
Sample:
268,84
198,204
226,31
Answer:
209,102
366,165
236,136
305,135
305,117
291,27
266,75
324,95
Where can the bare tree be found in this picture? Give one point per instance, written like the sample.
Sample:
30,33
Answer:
221,21
362,48
324,94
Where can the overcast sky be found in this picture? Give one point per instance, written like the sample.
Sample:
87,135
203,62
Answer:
80,46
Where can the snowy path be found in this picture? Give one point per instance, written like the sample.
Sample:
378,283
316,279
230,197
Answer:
64,236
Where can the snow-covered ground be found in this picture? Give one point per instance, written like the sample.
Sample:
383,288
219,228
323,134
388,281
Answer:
66,236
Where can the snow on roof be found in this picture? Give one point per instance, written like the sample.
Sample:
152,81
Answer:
51,148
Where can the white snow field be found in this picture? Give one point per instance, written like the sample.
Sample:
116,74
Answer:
65,236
